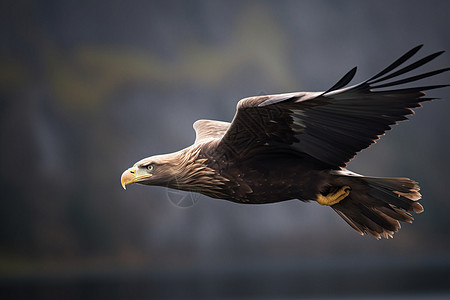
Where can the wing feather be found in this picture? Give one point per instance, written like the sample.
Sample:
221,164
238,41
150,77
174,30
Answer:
329,126
398,62
209,129
410,67
343,81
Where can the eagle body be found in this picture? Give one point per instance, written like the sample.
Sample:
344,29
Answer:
297,146
266,178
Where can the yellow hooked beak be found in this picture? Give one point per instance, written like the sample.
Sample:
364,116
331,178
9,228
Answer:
131,176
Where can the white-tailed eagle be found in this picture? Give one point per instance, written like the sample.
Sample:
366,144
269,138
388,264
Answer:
297,145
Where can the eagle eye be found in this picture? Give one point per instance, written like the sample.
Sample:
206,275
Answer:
149,167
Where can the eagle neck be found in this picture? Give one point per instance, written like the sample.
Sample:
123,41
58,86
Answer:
193,173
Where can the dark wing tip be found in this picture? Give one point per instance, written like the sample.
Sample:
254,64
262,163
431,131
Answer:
409,68
397,63
343,81
411,79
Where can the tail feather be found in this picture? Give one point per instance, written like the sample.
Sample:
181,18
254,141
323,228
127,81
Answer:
395,213
376,205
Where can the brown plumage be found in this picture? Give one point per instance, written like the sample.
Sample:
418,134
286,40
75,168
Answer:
297,146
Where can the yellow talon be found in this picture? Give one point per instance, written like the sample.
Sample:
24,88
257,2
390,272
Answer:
333,198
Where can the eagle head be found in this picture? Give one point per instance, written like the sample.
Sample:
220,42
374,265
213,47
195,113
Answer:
180,170
155,170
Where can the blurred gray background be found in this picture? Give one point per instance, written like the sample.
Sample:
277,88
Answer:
90,87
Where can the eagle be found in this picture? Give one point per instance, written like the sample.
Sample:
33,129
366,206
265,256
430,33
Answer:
297,146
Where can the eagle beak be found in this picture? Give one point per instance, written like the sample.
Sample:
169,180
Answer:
131,176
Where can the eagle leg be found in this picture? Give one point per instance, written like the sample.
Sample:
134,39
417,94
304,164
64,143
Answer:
333,197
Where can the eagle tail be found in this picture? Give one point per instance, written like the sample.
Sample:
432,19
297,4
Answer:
376,205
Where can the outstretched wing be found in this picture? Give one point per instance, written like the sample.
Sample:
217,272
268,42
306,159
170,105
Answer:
330,126
209,129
